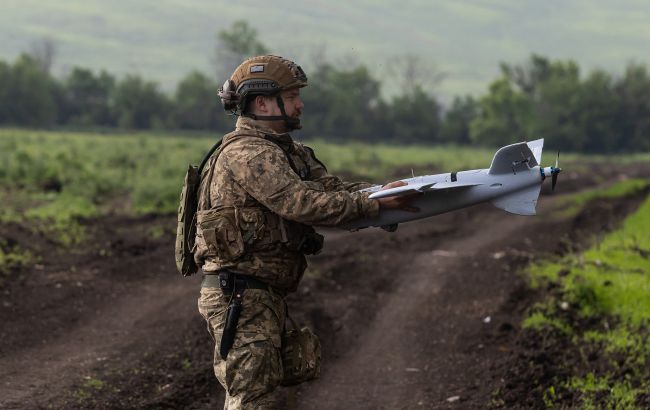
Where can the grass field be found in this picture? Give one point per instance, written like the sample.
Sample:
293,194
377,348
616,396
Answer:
146,170
602,305
53,179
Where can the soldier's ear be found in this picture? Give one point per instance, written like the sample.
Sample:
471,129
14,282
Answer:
263,103
260,104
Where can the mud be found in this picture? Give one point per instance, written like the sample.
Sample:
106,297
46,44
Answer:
426,317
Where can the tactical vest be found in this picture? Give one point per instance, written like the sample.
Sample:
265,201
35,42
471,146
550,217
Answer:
230,233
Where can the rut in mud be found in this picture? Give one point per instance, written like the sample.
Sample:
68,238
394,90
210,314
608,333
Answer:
422,318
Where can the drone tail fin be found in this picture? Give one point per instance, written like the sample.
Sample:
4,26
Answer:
516,157
521,203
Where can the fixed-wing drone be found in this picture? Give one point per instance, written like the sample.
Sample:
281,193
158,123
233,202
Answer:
512,183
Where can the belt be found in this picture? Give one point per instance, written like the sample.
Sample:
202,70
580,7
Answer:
211,280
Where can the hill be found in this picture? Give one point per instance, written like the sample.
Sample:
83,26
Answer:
165,40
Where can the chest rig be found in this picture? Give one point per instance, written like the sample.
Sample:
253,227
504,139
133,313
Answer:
231,233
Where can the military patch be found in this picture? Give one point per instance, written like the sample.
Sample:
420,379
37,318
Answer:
257,69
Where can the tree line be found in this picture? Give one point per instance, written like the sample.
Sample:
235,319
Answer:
541,98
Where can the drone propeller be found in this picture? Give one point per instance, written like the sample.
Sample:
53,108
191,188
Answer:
555,171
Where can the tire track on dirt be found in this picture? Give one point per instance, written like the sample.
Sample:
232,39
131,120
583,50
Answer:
30,375
408,355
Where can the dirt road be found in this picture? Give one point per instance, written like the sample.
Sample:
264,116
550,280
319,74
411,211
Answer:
421,318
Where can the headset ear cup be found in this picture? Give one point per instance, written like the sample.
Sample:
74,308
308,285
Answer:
229,96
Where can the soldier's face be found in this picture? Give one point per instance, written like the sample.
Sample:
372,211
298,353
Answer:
293,106
268,106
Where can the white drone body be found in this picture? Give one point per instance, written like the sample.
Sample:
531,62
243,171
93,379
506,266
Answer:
512,183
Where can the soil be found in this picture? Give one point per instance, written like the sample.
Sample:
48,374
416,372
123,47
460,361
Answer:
426,317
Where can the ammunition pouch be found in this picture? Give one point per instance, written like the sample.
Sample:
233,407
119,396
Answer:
301,355
229,232
217,235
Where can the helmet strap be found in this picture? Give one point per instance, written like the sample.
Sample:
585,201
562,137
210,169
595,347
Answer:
291,123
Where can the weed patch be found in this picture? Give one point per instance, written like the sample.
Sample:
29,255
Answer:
13,258
599,302
572,204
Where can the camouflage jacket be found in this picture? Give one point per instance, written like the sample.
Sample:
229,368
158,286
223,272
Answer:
262,179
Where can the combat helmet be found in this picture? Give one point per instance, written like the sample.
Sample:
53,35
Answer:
262,75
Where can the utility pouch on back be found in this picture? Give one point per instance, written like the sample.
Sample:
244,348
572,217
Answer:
186,228
300,355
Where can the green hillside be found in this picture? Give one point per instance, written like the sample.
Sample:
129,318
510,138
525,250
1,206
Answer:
165,39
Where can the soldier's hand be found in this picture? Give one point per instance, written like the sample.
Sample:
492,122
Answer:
398,202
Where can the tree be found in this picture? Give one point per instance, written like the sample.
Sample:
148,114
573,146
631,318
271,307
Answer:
29,94
415,117
528,76
556,105
5,84
633,112
342,103
89,98
539,99
456,126
504,117
44,51
140,104
234,46
596,128
412,74
196,103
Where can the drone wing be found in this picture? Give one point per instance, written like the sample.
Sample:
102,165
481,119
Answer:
411,189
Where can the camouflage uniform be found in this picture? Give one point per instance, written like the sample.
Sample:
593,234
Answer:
264,189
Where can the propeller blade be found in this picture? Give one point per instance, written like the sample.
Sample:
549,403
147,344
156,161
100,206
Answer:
556,170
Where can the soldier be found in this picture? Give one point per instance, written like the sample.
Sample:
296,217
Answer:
259,197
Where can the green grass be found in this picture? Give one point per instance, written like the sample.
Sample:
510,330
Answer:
13,258
51,180
609,282
147,169
380,162
54,179
572,204
621,395
540,319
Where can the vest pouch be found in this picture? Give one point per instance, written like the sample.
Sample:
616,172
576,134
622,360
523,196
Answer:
218,235
301,355
252,224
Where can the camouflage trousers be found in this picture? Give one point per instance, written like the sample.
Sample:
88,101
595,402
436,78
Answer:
253,367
